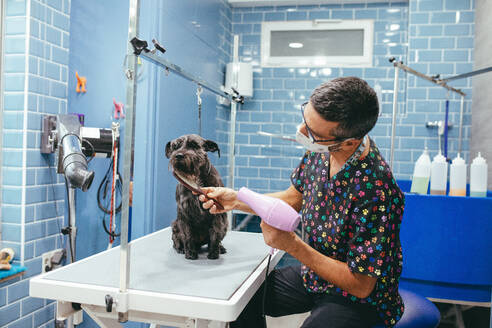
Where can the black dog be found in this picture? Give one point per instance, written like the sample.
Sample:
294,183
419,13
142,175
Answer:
195,226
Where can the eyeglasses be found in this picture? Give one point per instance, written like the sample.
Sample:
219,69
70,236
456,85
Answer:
310,134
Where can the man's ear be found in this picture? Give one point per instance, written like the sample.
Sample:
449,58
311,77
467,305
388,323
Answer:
168,149
350,143
212,146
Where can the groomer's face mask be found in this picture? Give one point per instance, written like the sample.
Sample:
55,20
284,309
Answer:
311,143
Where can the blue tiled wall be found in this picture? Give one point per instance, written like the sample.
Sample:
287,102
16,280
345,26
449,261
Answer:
35,80
13,125
441,37
402,30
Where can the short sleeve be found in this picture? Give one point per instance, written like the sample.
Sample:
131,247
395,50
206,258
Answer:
298,175
372,235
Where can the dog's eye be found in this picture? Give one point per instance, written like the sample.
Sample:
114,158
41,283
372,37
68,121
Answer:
193,145
177,144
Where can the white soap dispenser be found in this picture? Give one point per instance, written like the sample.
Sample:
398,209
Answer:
478,177
457,177
439,175
421,174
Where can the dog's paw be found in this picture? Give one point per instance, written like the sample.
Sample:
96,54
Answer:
191,255
213,256
222,250
178,247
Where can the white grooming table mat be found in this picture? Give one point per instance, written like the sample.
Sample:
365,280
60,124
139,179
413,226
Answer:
163,281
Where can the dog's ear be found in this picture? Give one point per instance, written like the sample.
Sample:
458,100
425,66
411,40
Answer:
212,146
168,149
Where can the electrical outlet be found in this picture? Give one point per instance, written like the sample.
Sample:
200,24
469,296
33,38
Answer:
46,264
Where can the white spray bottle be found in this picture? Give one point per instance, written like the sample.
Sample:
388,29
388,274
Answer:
478,177
421,174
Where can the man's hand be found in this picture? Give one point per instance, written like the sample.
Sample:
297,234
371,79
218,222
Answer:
279,239
225,196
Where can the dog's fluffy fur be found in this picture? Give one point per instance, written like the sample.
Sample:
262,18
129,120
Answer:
194,226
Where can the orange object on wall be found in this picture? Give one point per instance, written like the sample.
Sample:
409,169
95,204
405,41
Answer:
81,81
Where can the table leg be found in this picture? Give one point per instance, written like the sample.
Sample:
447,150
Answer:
459,316
197,323
102,321
65,311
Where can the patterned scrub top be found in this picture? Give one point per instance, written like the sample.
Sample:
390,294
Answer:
355,218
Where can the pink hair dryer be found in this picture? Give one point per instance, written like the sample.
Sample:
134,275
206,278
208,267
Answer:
273,211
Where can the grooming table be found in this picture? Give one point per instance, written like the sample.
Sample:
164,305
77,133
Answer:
165,288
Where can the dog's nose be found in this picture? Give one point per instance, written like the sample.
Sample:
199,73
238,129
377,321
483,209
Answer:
179,156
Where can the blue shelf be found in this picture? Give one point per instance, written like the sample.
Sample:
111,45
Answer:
446,243
16,270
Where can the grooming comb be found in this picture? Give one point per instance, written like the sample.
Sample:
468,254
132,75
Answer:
195,188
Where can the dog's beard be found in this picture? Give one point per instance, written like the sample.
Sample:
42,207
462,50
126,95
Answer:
186,168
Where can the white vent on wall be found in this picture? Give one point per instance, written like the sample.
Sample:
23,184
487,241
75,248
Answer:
318,43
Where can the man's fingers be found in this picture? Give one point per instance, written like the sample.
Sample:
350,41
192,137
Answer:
207,190
213,194
207,204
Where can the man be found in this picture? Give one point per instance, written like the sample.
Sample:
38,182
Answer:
351,210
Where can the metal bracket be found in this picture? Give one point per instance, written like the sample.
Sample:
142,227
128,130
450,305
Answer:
432,79
48,135
139,46
115,127
119,303
157,46
439,125
108,300
129,74
236,96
